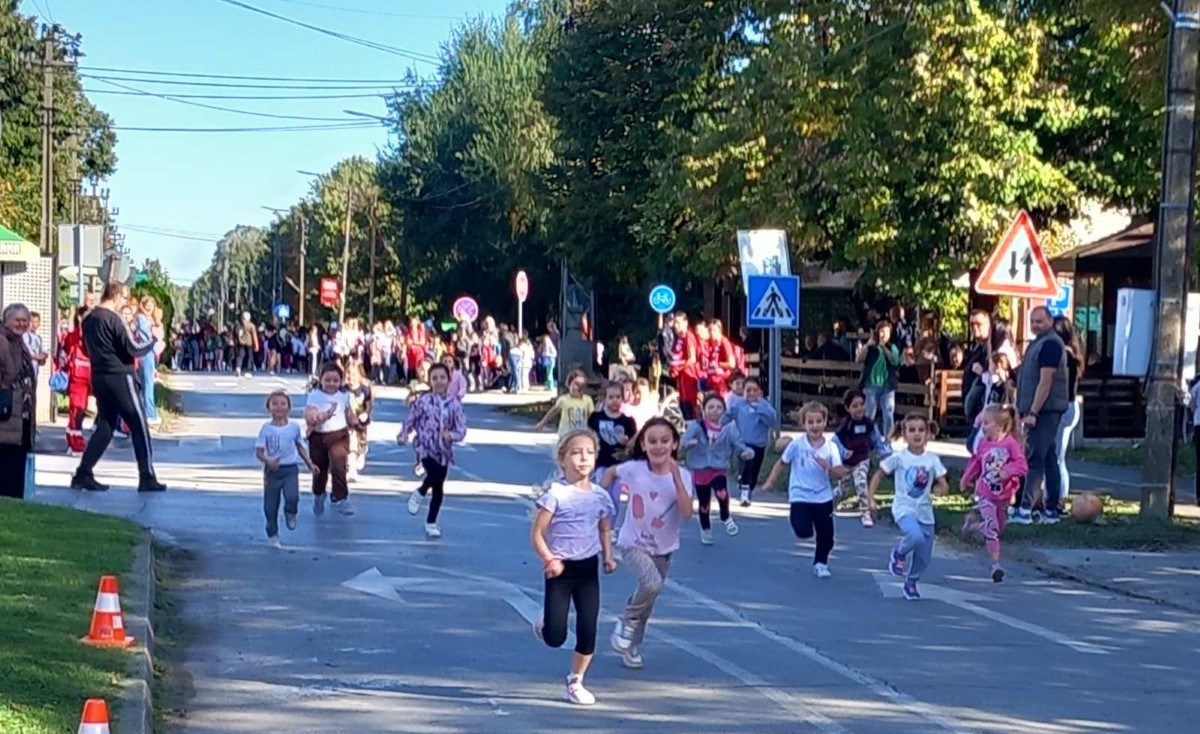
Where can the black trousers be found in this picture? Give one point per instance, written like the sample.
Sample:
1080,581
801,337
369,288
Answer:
752,467
12,470
579,583
435,482
719,487
118,399
243,359
809,518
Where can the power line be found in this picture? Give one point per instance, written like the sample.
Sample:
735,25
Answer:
279,129
251,97
170,230
219,108
164,234
243,77
361,11
232,85
424,58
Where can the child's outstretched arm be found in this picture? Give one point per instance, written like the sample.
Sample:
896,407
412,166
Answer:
773,476
873,487
550,415
972,472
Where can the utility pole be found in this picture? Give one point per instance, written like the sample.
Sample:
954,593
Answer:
224,289
374,246
346,256
303,262
1174,243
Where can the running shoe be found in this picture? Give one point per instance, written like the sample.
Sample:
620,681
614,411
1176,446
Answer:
706,537
745,498
1021,517
318,504
867,520
621,640
997,573
896,563
344,508
632,658
821,570
414,502
576,693
538,629
273,541
1051,517
731,528
432,531
289,519
87,482
910,590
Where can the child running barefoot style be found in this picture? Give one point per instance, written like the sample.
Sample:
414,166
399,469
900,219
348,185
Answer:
856,436
437,421
570,534
280,448
995,471
918,475
660,500
755,419
615,430
710,449
329,421
813,462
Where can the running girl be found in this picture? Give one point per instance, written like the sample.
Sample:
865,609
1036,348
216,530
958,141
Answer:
570,534
362,405
710,449
856,436
329,421
813,461
280,448
572,409
995,472
660,500
437,420
755,419
615,430
918,475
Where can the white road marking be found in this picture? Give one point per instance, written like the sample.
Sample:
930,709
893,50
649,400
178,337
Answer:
891,588
881,689
373,582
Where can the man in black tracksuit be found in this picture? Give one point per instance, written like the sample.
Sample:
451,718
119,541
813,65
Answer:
114,383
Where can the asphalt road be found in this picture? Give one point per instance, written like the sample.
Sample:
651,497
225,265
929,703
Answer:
362,625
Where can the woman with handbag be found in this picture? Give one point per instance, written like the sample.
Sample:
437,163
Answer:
16,402
78,370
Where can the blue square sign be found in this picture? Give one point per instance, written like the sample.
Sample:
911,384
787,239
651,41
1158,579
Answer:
773,302
1061,304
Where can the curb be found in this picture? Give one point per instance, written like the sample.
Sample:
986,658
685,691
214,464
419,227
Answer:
135,712
1056,571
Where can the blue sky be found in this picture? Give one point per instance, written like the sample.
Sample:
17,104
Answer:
203,184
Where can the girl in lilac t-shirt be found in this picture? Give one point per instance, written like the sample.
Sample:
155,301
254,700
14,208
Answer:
570,533
660,500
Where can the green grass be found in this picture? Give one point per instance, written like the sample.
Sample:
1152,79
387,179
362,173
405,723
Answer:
51,560
1132,456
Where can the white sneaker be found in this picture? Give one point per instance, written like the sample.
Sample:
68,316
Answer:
706,537
821,570
745,498
538,629
273,541
576,693
432,531
318,504
620,640
415,500
867,522
632,658
731,528
344,508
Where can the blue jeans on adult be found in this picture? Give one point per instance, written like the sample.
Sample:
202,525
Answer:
1040,447
880,398
514,372
917,540
1066,427
149,362
551,378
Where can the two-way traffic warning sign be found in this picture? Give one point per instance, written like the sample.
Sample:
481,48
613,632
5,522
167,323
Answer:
1018,267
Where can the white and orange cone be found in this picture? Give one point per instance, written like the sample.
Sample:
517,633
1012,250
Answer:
95,717
108,623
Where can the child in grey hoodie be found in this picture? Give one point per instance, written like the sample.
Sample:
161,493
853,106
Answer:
710,448
756,420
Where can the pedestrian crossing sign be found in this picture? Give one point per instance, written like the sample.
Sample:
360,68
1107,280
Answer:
773,302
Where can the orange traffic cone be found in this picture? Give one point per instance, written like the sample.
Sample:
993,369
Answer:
108,624
95,717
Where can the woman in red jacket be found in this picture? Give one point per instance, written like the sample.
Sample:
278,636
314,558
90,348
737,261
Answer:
417,341
722,360
75,363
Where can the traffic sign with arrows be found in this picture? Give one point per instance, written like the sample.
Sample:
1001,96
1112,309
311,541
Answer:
1018,266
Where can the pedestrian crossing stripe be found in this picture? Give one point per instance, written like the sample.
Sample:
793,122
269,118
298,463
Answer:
773,306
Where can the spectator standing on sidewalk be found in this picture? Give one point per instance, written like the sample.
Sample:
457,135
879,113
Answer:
17,411
1043,395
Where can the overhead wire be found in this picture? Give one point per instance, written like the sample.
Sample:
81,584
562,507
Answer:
219,108
232,85
281,128
243,77
249,97
414,56
361,11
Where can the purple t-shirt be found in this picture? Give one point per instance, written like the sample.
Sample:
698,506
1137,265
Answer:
652,520
574,531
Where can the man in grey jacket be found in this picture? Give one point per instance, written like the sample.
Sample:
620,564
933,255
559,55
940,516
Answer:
1042,398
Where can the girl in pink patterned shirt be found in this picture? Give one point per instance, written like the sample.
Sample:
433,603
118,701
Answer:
995,472
436,418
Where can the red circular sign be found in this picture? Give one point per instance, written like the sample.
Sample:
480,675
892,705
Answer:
522,286
330,291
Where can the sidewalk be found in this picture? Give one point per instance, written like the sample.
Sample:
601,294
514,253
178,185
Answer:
1171,579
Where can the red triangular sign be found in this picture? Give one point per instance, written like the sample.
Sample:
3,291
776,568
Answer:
1018,267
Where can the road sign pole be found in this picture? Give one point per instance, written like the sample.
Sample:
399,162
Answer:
776,373
520,319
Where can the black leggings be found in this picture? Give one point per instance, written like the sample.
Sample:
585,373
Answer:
579,583
435,481
719,486
809,516
752,467
243,360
